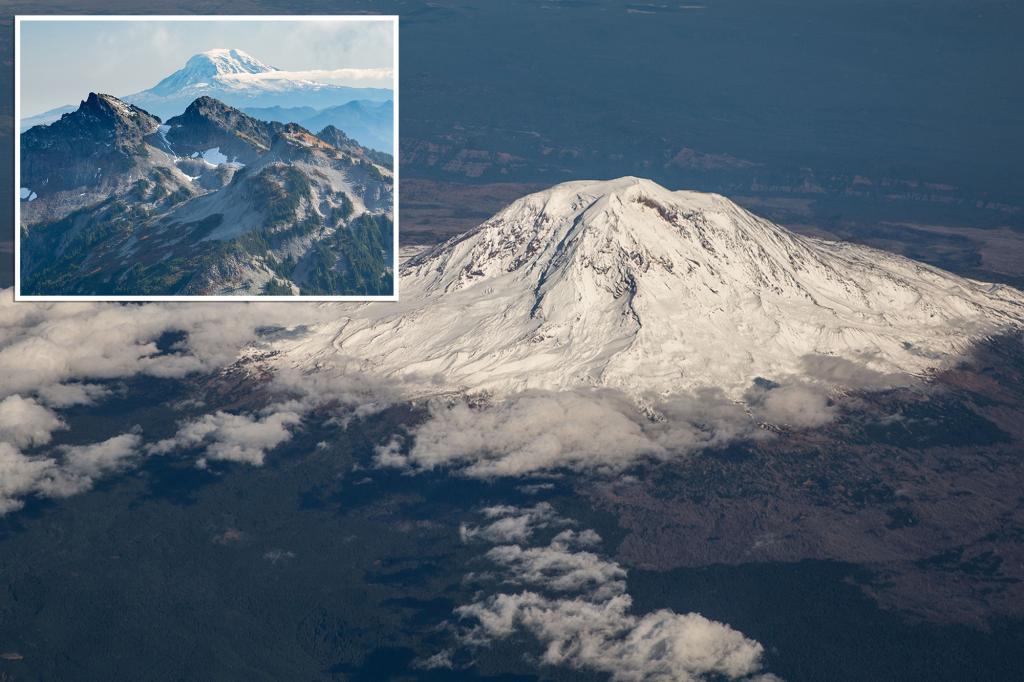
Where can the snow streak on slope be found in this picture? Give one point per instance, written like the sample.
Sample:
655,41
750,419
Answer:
629,285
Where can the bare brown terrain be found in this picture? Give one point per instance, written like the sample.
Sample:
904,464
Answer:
922,486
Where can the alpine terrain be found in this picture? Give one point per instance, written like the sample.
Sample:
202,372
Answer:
237,78
628,285
212,201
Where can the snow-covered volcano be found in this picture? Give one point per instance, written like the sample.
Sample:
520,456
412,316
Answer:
237,78
629,285
206,68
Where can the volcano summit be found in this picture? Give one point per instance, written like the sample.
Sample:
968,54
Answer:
625,284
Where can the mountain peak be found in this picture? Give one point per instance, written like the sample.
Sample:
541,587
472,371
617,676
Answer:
335,136
208,111
103,116
208,123
220,61
611,230
624,283
107,106
103,133
202,68
208,106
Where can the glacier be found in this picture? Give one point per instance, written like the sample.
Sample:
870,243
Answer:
627,285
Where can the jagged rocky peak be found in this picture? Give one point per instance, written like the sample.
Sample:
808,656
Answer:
338,139
208,122
93,154
104,132
101,116
624,283
107,106
210,109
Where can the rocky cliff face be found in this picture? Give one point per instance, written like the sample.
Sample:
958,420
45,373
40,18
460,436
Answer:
208,123
339,140
98,147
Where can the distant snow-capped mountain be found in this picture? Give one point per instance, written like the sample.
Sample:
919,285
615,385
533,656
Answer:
629,285
208,67
238,79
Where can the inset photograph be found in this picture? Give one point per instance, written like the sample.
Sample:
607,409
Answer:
167,158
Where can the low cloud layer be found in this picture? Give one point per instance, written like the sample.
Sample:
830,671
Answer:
531,432
46,345
70,469
510,524
575,605
356,78
25,423
574,430
28,468
57,355
66,395
233,437
606,431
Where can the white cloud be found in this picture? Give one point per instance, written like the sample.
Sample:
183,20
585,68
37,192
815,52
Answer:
540,431
22,476
836,371
561,567
25,423
103,457
604,636
589,625
82,465
45,344
233,437
798,405
359,394
531,432
510,524
356,78
66,395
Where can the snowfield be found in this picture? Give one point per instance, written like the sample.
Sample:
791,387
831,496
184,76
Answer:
625,284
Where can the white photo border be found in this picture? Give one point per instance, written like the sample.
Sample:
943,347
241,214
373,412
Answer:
18,19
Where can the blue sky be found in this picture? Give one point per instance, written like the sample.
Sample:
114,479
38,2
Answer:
62,61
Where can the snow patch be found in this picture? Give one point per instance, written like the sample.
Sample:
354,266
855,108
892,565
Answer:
27,195
214,156
162,131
